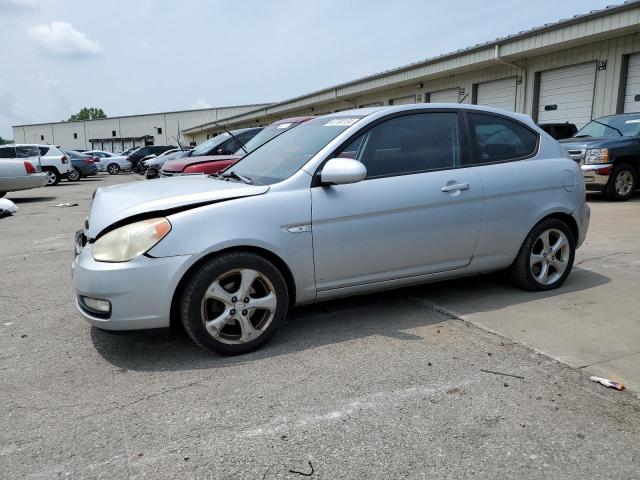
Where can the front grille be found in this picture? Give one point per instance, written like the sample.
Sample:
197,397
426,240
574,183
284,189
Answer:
577,155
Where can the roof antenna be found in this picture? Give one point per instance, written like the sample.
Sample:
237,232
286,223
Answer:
177,139
234,137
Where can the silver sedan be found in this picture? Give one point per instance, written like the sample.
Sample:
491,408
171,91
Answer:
19,174
349,203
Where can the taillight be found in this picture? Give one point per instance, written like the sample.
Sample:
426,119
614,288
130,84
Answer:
29,168
65,159
88,161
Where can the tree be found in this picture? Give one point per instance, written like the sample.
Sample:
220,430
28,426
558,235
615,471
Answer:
88,114
4,141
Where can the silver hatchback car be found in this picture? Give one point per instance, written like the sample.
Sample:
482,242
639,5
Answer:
344,204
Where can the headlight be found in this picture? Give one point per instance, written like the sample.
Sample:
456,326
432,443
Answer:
126,243
597,155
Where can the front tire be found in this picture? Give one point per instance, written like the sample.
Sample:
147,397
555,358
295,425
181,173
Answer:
74,175
234,303
622,183
53,177
545,258
113,169
151,173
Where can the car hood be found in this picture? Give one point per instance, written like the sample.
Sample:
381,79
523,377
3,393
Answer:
594,142
179,164
119,202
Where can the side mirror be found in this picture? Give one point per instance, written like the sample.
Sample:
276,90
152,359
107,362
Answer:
340,171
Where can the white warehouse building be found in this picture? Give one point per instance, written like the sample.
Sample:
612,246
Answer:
570,71
120,133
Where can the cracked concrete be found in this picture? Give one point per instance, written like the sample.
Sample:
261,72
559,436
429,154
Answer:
380,386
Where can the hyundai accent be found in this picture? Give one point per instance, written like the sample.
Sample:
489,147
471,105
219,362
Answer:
349,203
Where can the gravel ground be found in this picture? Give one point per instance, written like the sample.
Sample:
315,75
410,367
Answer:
379,386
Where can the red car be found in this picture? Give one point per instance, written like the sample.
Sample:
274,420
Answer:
211,164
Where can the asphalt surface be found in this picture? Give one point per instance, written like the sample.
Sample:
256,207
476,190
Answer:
379,386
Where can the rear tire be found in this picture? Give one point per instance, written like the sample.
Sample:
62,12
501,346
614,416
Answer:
545,258
151,173
113,169
234,303
74,175
53,177
623,182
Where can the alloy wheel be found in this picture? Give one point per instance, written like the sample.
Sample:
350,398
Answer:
113,169
73,175
51,177
549,256
238,306
624,183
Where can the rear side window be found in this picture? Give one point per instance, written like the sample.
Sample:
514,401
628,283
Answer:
408,144
43,150
26,152
8,152
496,139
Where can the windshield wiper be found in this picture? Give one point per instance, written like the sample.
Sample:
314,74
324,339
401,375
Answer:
609,126
235,175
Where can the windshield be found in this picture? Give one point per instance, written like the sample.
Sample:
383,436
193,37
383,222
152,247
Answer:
264,136
205,147
618,126
287,153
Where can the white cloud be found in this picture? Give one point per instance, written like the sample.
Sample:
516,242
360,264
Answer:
200,103
18,6
60,38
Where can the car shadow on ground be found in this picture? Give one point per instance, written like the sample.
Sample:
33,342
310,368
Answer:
18,200
392,314
595,197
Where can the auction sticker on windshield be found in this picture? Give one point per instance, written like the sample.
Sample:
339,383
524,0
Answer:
341,122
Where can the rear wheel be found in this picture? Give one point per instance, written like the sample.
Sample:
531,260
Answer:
234,303
113,169
151,173
622,183
545,258
53,177
74,175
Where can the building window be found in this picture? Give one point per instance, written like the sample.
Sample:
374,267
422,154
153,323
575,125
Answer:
75,136
159,129
192,144
113,133
208,136
41,137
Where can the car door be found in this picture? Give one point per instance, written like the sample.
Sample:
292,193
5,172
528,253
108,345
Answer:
518,189
417,212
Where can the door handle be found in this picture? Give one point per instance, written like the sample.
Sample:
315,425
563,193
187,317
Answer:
455,187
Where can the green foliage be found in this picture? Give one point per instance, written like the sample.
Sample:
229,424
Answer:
4,141
88,114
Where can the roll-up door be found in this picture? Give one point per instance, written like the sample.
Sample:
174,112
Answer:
566,94
498,93
632,91
403,100
445,96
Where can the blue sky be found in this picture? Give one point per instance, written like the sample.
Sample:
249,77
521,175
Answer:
145,56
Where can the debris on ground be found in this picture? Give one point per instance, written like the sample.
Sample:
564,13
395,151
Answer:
7,207
607,383
69,204
303,473
503,374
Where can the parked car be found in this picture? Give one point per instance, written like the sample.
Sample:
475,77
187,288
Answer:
139,153
559,131
211,164
54,163
18,171
608,150
348,203
142,164
155,164
111,162
83,165
223,145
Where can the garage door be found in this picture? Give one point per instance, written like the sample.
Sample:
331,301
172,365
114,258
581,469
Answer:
633,85
445,96
403,100
566,94
498,94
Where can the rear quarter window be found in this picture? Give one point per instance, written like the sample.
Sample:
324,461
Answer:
497,139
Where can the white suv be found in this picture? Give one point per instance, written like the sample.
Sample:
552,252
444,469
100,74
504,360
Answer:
54,163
